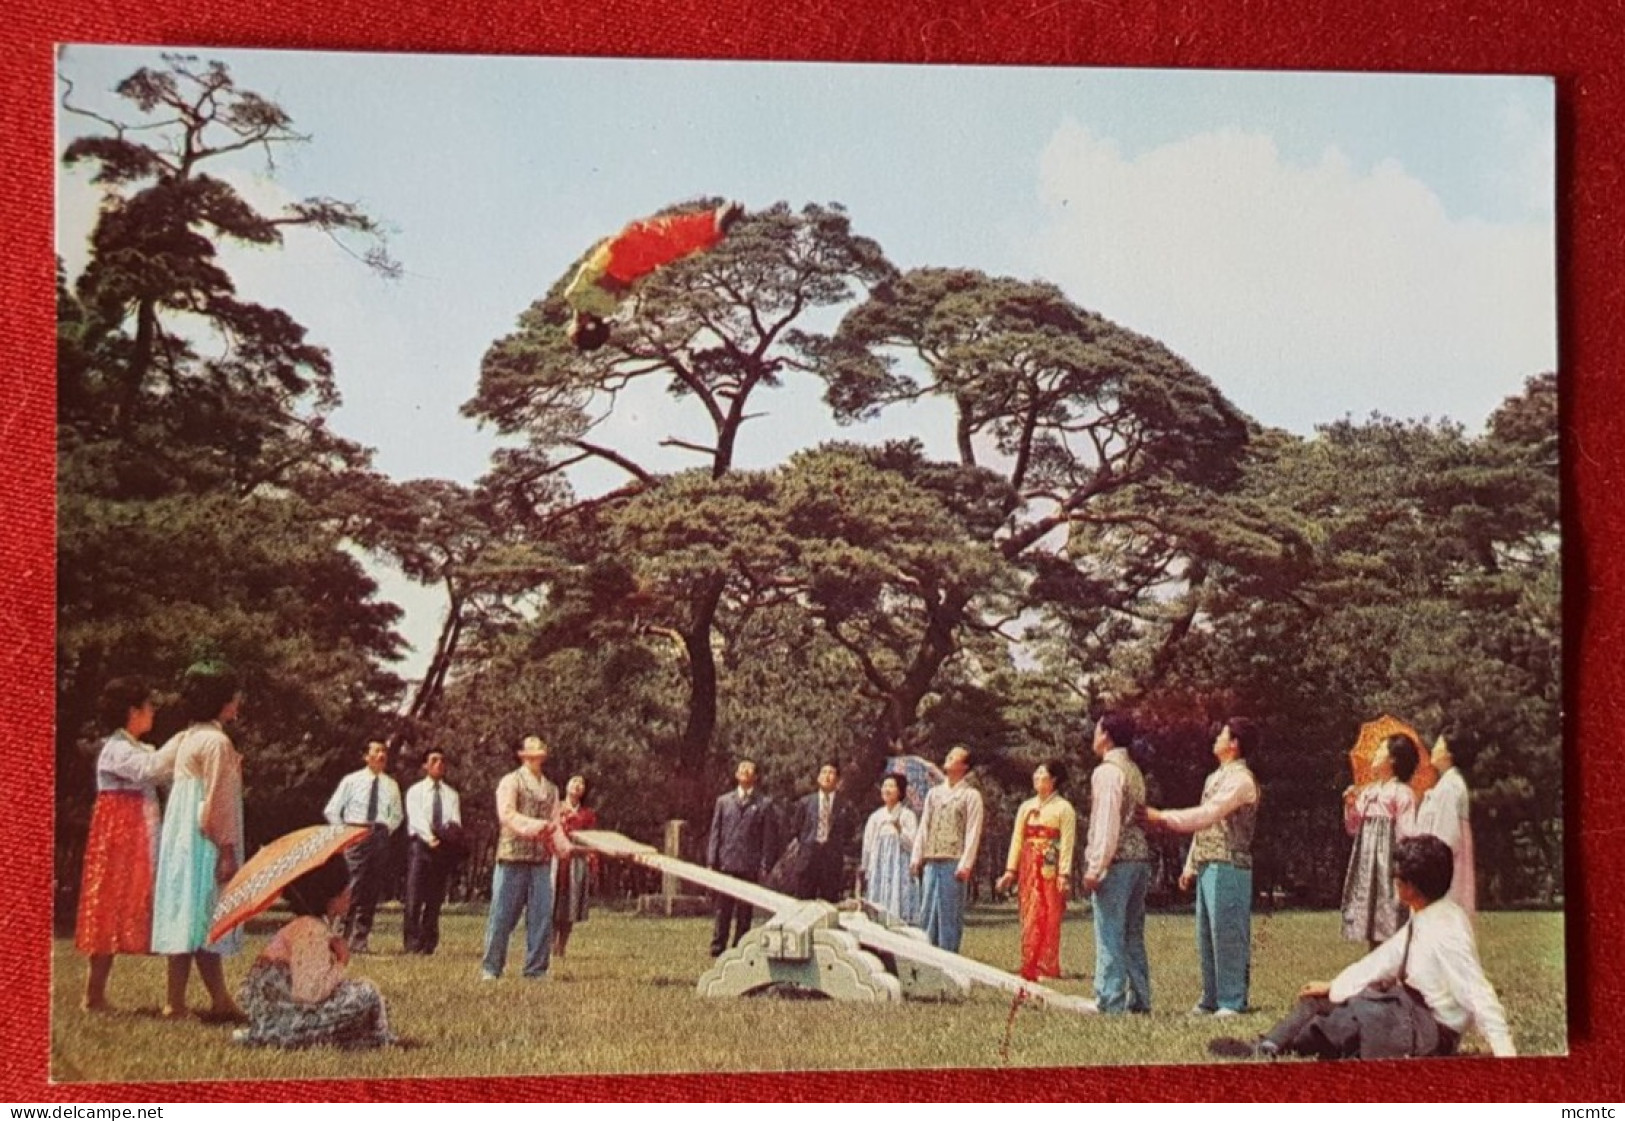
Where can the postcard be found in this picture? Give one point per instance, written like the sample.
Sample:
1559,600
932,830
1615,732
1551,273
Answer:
592,566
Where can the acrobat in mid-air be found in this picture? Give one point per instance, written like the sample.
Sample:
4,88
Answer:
619,262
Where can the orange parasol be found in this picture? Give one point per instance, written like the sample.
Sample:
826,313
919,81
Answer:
258,883
1372,735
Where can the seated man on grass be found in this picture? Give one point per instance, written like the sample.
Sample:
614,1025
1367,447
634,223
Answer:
1416,994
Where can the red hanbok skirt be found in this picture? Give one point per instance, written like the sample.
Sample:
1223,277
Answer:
115,894
1042,904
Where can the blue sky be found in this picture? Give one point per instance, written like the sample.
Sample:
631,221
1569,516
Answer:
1320,245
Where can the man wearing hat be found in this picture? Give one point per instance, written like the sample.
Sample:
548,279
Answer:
434,826
522,883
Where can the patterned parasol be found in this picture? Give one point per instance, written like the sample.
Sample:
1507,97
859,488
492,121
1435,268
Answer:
1372,735
921,775
258,883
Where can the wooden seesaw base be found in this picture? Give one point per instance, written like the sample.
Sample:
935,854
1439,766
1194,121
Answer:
810,945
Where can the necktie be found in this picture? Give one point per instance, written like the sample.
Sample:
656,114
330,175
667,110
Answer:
434,812
823,818
372,801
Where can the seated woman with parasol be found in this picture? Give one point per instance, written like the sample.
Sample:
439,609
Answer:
296,994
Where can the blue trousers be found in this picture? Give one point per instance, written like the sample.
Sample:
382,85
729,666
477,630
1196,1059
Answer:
520,889
1224,935
942,905
1122,973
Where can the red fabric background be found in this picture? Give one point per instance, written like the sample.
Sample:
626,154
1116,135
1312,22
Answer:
1582,43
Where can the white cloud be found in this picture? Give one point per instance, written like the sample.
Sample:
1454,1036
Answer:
1306,292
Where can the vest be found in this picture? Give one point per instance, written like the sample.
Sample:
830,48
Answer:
538,801
1229,841
950,819
1131,842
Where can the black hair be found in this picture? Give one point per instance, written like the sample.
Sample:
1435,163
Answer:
1243,732
830,763
1119,728
119,697
431,752
899,778
311,893
1463,747
1402,753
585,781
1426,863
206,688
1057,771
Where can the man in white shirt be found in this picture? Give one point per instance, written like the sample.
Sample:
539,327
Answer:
366,797
945,847
1362,1012
1117,870
432,809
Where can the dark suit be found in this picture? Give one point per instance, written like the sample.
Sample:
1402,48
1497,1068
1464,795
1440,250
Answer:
744,841
823,864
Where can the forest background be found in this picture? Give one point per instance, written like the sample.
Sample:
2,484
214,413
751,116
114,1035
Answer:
1081,519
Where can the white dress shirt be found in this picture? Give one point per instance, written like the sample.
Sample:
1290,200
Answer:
348,805
420,808
1443,967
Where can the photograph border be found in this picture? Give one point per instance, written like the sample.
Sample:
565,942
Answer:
1518,38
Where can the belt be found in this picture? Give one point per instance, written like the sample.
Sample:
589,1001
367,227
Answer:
1239,859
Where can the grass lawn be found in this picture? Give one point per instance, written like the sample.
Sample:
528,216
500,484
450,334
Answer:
624,1002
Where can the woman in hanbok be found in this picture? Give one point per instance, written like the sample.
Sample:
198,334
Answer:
121,854
1040,860
202,842
1445,815
888,841
574,873
1378,815
296,992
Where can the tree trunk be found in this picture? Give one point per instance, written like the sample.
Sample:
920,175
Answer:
901,709
135,374
702,678
433,685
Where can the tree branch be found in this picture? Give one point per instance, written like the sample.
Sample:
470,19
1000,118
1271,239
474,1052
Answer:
616,458
673,442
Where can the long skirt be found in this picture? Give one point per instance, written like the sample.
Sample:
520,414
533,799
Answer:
352,1016
115,894
186,890
1041,902
1371,909
888,883
570,893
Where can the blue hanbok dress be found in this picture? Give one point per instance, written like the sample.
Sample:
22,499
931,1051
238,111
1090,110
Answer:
204,814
